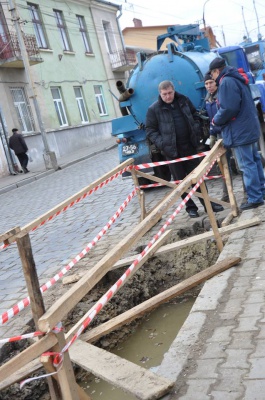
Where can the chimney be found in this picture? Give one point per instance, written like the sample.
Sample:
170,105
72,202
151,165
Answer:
137,23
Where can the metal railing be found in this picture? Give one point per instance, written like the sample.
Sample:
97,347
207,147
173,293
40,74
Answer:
9,46
122,58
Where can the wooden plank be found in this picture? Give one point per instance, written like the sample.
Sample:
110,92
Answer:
139,194
20,374
59,207
148,254
194,239
67,301
9,233
155,179
131,378
36,299
26,356
228,182
207,160
212,219
227,219
46,361
150,304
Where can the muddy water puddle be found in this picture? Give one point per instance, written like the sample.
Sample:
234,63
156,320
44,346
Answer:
145,347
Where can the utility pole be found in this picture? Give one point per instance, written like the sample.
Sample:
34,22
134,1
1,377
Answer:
49,156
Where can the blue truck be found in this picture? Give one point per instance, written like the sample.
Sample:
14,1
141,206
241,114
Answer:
185,63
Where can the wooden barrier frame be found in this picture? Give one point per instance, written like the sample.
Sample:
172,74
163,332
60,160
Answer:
69,300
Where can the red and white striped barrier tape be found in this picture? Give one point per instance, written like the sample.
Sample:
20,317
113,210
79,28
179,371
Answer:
110,293
111,178
56,329
7,315
157,163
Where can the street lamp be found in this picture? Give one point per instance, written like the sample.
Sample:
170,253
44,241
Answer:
203,19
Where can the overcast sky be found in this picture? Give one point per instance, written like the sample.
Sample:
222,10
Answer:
226,17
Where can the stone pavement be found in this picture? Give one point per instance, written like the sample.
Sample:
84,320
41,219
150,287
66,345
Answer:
10,182
219,352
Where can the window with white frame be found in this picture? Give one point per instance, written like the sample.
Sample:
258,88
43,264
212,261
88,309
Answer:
38,26
109,37
23,109
81,104
100,100
62,29
59,106
84,33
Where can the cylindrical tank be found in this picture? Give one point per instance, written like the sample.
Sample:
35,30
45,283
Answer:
185,70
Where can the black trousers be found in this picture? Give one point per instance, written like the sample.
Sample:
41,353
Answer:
23,159
179,171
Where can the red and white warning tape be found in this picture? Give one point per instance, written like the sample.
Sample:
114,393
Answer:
157,163
7,315
111,178
90,315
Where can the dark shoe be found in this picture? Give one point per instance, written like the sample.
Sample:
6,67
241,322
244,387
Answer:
193,213
217,207
248,206
225,197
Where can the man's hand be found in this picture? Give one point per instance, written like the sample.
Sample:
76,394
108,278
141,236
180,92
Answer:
213,140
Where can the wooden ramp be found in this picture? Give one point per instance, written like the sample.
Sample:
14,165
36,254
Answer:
138,381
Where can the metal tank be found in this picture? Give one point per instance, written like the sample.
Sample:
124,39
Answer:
185,62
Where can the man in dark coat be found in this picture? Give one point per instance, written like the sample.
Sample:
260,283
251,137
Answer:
237,116
172,126
18,144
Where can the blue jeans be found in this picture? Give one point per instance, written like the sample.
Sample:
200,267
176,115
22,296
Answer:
250,164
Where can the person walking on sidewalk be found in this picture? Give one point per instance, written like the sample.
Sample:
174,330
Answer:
237,116
171,125
18,144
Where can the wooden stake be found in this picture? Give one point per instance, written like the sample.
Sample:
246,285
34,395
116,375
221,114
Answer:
36,299
228,182
65,374
139,194
212,217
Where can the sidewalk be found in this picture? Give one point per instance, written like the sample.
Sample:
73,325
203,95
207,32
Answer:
11,182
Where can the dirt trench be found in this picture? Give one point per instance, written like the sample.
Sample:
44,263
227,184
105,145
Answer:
158,274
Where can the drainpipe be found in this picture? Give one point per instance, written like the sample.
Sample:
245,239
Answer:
121,35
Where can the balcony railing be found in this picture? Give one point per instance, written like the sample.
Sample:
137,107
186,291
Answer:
10,49
123,60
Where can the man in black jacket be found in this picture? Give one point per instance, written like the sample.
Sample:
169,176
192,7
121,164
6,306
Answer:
172,126
18,144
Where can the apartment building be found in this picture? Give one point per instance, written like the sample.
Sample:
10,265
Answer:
76,54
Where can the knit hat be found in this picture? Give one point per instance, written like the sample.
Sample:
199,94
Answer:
217,63
14,130
207,76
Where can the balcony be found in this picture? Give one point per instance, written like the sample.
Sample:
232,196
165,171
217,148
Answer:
123,60
10,53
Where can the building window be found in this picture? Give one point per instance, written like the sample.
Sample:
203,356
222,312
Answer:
59,107
84,33
38,26
62,29
81,104
100,100
109,37
23,110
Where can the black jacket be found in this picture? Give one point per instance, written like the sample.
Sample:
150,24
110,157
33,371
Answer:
17,143
160,127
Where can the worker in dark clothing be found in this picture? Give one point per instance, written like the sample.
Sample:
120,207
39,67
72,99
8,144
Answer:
237,116
18,144
172,126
